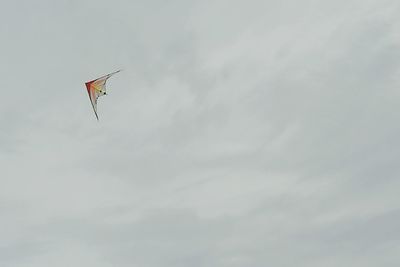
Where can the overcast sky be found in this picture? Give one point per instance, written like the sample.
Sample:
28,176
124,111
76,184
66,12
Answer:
240,133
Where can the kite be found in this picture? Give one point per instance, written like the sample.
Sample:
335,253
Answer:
97,88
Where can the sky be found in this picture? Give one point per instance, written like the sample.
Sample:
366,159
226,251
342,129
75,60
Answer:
239,133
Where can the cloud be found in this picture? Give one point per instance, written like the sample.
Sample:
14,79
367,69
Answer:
238,134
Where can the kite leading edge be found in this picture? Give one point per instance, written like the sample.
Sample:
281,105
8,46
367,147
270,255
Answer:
97,88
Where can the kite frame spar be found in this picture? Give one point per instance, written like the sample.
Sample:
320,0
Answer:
97,88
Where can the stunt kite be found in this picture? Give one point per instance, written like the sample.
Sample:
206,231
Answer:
97,88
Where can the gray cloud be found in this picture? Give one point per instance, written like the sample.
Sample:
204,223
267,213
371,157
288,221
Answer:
238,134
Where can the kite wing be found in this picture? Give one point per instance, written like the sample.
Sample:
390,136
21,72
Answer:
97,88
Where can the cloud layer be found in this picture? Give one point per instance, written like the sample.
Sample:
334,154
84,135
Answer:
257,133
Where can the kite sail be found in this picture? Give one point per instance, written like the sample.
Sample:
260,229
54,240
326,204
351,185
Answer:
97,88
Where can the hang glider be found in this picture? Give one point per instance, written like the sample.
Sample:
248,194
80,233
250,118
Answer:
97,88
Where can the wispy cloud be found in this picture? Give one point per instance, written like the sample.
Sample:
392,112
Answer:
238,134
